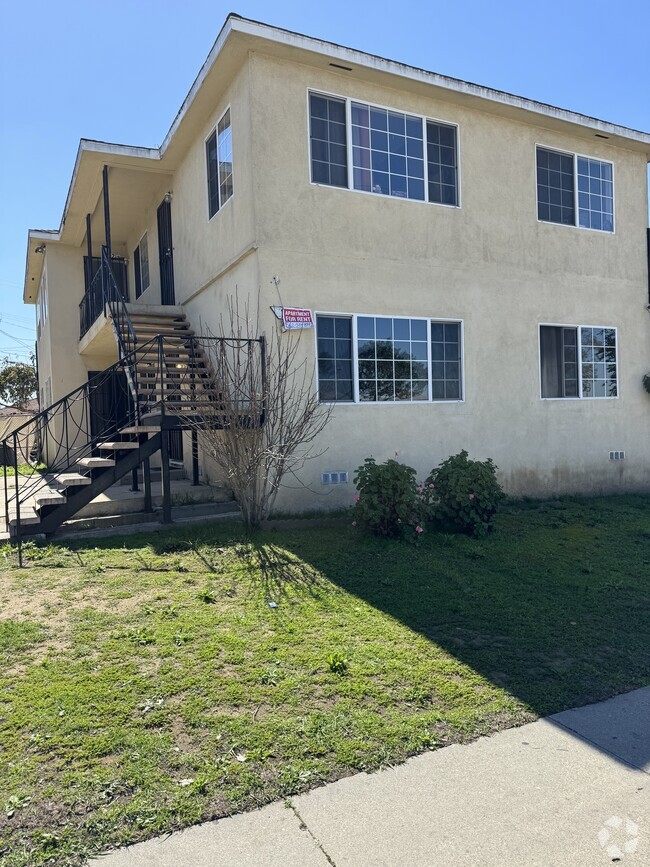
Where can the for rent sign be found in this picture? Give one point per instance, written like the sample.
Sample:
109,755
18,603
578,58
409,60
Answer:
297,317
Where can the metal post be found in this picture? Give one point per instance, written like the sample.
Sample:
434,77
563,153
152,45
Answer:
17,489
89,252
134,480
107,211
147,485
195,458
164,474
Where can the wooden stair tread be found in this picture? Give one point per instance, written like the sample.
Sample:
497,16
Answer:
140,429
117,446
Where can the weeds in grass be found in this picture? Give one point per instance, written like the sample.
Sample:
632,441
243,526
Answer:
337,663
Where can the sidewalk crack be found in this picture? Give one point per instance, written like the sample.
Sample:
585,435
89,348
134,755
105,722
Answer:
305,826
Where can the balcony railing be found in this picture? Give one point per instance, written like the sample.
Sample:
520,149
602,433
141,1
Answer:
101,289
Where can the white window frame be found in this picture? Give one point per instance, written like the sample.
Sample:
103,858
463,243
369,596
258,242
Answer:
215,130
355,358
578,328
576,224
348,132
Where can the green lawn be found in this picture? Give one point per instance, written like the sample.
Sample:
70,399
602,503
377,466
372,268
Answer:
147,683
23,470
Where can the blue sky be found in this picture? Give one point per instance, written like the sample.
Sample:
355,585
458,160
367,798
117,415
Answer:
119,72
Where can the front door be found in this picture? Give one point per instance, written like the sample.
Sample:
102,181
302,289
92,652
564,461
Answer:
166,253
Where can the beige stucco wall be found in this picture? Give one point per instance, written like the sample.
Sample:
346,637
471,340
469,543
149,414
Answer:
489,263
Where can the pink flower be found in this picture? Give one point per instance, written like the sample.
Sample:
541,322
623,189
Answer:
419,529
354,523
356,498
432,485
471,496
419,490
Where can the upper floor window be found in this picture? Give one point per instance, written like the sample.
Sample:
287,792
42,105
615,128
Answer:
575,190
218,152
141,266
393,154
578,361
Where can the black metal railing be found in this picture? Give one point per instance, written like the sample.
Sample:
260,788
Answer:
176,380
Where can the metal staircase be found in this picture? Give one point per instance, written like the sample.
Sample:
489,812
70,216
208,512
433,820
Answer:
120,418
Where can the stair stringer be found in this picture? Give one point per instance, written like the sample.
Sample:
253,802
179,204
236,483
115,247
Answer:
82,496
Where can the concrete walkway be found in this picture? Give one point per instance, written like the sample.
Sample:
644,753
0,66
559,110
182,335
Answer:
571,789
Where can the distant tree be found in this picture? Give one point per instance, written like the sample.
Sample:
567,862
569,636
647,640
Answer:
18,383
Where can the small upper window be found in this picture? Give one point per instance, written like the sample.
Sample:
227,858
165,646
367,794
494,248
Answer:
561,177
218,153
141,266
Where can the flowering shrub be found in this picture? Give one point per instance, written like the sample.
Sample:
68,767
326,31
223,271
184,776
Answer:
388,502
464,493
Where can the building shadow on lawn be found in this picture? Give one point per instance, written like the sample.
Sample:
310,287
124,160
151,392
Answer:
553,629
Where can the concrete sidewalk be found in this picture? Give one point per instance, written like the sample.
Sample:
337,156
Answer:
571,789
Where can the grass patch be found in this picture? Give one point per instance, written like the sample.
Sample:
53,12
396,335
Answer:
155,681
23,470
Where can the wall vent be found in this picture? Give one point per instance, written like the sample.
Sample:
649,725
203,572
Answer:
617,456
340,478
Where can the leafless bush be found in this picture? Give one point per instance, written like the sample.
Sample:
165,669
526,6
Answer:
263,413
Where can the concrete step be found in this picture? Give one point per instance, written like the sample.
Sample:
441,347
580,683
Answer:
48,498
27,515
95,463
118,447
141,429
164,310
69,480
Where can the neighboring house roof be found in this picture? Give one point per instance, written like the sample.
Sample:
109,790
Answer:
237,37
29,409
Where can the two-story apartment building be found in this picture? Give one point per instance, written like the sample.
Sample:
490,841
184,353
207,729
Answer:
476,263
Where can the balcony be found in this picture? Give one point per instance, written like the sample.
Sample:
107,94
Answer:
95,329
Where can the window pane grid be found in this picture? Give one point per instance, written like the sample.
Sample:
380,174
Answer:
387,152
578,362
446,374
224,148
442,163
327,126
598,362
392,359
555,187
213,174
334,353
595,194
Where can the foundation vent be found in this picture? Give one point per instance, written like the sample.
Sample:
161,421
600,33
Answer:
339,478
617,456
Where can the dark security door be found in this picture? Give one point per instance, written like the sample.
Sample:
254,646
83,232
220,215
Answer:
166,253
109,401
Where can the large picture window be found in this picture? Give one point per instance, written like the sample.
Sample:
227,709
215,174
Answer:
370,359
575,190
578,361
393,154
218,156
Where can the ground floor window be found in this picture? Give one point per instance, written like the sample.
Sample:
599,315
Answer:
368,359
578,361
